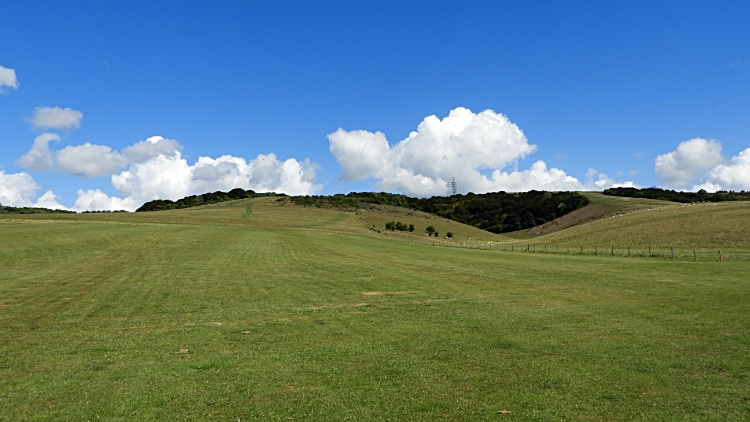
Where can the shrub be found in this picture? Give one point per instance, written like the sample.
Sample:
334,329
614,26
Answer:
449,235
430,230
411,227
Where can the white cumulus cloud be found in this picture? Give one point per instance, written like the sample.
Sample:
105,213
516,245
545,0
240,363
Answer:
39,157
473,148
17,189
538,177
49,200
151,148
599,181
56,118
90,160
158,171
7,79
680,168
731,175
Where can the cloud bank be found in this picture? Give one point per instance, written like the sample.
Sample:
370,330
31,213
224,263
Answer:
158,171
473,148
16,190
56,118
699,163
679,168
7,79
153,169
731,175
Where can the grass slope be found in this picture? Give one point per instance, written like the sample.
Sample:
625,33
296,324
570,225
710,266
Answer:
601,206
255,311
714,225
376,216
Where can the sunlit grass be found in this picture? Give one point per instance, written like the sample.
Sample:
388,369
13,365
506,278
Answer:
277,312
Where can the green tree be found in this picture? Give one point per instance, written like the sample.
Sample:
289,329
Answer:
411,227
430,230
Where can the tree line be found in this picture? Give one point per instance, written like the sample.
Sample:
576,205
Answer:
676,196
29,210
205,199
497,212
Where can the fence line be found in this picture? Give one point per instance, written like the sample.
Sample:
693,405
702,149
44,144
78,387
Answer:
667,252
664,252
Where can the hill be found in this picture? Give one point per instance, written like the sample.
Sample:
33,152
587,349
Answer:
30,210
600,206
204,199
679,196
250,309
496,212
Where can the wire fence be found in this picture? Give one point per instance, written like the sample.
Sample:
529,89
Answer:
663,252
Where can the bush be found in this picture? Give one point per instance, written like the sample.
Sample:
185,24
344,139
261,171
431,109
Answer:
449,235
430,230
411,227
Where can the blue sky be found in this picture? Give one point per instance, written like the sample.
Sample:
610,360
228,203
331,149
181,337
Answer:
594,85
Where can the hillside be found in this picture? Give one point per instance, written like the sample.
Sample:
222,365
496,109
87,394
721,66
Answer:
600,207
253,309
496,212
640,223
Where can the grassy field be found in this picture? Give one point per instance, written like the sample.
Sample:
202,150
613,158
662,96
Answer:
601,206
376,216
253,311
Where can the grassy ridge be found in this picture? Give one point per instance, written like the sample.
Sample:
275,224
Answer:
30,210
291,312
496,212
679,196
697,226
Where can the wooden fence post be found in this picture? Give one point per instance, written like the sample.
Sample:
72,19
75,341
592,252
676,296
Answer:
628,250
581,249
672,252
596,252
649,250
695,255
613,251
719,255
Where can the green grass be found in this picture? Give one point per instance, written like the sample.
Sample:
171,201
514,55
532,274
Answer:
714,226
291,312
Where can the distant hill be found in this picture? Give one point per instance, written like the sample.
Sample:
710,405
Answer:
205,199
30,210
675,196
496,212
